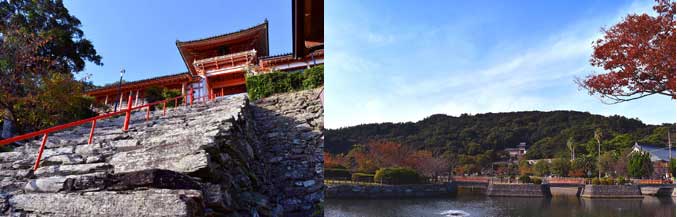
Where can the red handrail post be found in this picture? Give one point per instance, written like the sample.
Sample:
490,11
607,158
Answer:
91,132
164,108
128,114
42,148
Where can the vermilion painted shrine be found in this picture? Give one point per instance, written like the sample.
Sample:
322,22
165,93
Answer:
217,65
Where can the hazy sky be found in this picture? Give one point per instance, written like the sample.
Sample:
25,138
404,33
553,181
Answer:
396,62
140,35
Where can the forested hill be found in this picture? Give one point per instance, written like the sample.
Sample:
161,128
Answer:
546,133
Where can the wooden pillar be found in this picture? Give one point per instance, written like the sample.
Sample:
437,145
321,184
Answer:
105,102
183,88
122,95
209,89
136,101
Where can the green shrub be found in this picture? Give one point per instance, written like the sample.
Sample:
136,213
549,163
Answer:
342,174
525,179
313,77
362,177
536,180
606,181
621,180
168,94
595,181
397,176
259,86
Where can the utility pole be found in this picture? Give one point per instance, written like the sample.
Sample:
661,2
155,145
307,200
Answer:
122,72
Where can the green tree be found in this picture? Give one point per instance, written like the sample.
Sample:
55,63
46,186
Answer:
671,166
541,168
41,46
598,137
639,165
606,162
560,167
571,145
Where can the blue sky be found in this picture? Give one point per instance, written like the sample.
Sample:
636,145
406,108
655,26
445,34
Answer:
397,61
140,35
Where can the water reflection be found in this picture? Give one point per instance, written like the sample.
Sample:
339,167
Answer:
476,205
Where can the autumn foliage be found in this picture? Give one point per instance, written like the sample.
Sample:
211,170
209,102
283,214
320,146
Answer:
384,154
638,56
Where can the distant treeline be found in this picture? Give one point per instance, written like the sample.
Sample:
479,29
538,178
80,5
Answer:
546,133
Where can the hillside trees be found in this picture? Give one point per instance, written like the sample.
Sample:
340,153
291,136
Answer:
546,134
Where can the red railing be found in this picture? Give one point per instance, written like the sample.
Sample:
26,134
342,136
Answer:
565,180
650,181
187,99
479,179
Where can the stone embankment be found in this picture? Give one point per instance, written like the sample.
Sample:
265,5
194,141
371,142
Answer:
611,191
518,190
390,191
206,160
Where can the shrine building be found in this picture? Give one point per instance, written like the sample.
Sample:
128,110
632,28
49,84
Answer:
218,65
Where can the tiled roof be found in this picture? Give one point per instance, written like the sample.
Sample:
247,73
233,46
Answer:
264,24
142,81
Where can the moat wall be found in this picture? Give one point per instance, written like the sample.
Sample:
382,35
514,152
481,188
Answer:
611,191
518,190
390,191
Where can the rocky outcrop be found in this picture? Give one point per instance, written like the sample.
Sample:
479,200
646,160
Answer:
291,126
210,159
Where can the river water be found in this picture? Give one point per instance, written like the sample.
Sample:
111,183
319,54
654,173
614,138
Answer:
478,205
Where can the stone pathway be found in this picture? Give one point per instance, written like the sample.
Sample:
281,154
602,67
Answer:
192,162
223,158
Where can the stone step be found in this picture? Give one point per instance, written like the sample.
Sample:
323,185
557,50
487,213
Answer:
75,169
152,202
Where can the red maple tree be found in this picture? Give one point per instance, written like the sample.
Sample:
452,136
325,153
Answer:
638,55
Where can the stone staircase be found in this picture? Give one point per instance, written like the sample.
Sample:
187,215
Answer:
204,160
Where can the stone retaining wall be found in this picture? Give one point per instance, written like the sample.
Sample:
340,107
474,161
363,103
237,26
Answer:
290,126
390,191
518,190
611,191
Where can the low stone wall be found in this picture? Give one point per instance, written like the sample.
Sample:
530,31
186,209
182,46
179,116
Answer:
518,190
390,191
611,191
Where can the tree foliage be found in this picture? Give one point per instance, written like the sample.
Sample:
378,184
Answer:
41,46
639,165
638,56
476,138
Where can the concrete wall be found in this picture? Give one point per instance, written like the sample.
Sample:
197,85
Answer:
390,191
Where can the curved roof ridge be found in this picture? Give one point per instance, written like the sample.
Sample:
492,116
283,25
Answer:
264,24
